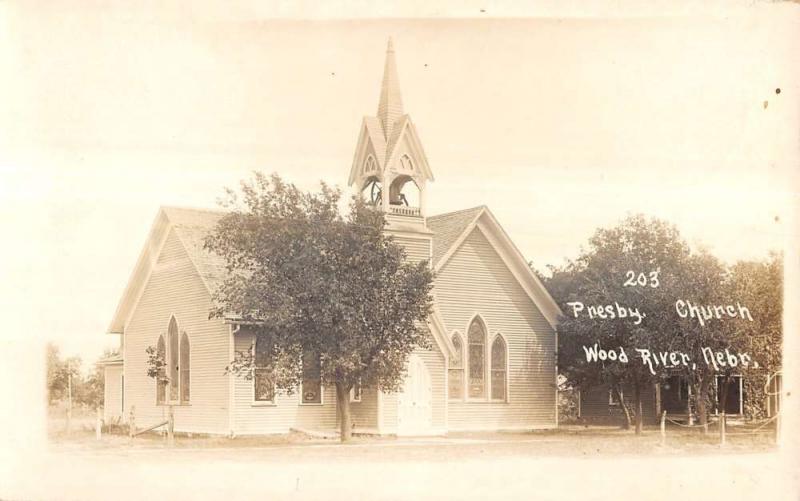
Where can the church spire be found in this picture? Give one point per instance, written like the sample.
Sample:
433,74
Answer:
389,166
390,107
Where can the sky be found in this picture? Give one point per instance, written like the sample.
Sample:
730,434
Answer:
560,125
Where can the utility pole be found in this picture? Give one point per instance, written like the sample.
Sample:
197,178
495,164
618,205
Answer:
69,397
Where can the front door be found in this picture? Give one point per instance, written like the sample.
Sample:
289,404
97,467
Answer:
414,411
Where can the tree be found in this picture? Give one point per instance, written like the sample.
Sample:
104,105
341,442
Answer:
632,267
90,390
703,278
313,284
59,372
759,285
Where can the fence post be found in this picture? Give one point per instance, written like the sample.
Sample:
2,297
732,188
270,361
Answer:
171,428
664,428
722,429
98,425
132,422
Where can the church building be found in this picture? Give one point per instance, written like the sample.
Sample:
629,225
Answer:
491,364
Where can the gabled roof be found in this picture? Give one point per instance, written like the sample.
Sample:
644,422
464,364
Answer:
448,227
191,226
453,228
112,360
449,231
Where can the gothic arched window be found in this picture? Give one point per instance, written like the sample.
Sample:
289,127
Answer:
174,360
161,382
455,373
499,368
476,340
185,366
370,165
406,163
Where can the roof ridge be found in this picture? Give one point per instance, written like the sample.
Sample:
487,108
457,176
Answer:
460,211
196,209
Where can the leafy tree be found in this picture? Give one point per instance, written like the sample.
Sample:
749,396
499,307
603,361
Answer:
759,285
308,280
90,389
703,282
58,373
597,278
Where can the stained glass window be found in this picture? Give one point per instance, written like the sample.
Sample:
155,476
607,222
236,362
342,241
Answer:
499,369
455,374
476,340
185,366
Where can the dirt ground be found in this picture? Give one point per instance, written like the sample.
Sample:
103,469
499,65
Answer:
573,441
570,463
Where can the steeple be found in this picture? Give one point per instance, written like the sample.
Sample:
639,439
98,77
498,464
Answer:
389,166
390,106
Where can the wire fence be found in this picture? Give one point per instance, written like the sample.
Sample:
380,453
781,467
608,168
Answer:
761,424
722,427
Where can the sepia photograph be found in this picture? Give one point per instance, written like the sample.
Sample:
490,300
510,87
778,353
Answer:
349,251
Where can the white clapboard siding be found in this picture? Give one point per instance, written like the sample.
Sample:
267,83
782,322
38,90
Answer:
435,362
417,248
112,393
252,418
476,281
388,421
175,288
364,414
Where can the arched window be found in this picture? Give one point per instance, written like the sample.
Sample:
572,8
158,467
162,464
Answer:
499,369
174,378
263,385
185,366
369,165
161,383
455,373
476,339
406,163
174,360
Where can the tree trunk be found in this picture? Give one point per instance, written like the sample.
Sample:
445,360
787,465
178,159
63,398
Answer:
626,424
702,402
637,396
343,409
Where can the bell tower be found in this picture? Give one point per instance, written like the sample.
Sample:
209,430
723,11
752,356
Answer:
389,166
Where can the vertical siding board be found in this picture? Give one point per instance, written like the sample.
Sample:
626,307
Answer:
475,280
175,288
